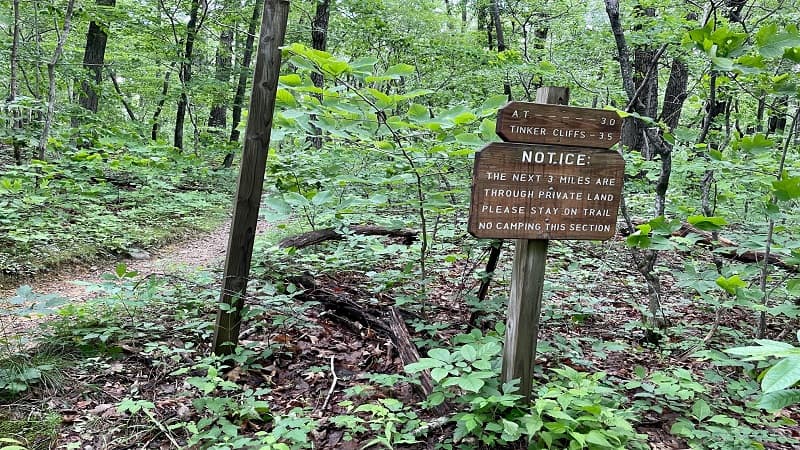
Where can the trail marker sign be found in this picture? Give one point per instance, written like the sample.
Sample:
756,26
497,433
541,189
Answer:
524,191
531,190
557,180
539,123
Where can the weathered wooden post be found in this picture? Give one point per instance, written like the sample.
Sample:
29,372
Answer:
568,188
251,176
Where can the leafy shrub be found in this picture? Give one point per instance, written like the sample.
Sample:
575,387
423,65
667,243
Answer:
573,410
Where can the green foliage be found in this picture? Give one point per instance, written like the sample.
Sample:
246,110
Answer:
22,371
389,422
573,410
776,380
29,434
102,199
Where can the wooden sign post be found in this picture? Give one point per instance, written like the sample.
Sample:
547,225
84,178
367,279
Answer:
251,176
558,181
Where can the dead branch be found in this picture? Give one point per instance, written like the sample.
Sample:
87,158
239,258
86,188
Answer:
331,234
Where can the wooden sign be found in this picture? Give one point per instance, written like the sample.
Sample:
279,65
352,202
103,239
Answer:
524,191
537,123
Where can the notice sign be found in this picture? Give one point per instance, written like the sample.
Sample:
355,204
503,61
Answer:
524,191
537,123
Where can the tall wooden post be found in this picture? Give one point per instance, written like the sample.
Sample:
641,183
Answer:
527,282
251,176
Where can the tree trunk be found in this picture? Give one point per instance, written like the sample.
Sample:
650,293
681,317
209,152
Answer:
645,261
13,88
777,120
501,43
735,10
241,86
675,94
319,34
646,103
125,103
498,26
319,41
485,24
160,106
51,75
93,60
219,111
185,74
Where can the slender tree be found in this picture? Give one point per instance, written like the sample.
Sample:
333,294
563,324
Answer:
219,110
652,140
319,41
51,76
244,68
501,42
93,61
185,73
13,88
160,106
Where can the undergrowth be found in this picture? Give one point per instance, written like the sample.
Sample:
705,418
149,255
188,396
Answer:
147,341
102,200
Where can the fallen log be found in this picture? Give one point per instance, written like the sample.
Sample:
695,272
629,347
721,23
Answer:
406,349
331,234
386,321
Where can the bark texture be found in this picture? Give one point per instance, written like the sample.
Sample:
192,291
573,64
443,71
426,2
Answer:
219,111
93,61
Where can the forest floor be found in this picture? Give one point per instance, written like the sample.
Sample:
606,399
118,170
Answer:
313,365
74,283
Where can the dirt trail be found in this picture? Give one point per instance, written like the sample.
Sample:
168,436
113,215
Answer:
206,250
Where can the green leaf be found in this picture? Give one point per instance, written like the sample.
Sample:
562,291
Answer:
792,54
682,428
487,130
722,64
464,118
773,401
707,223
793,286
295,199
701,410
436,398
364,64
782,375
469,382
418,113
766,349
640,238
787,188
469,139
468,352
493,103
442,354
335,67
285,97
730,284
438,373
400,70
772,43
423,364
321,197
757,143
596,437
290,79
